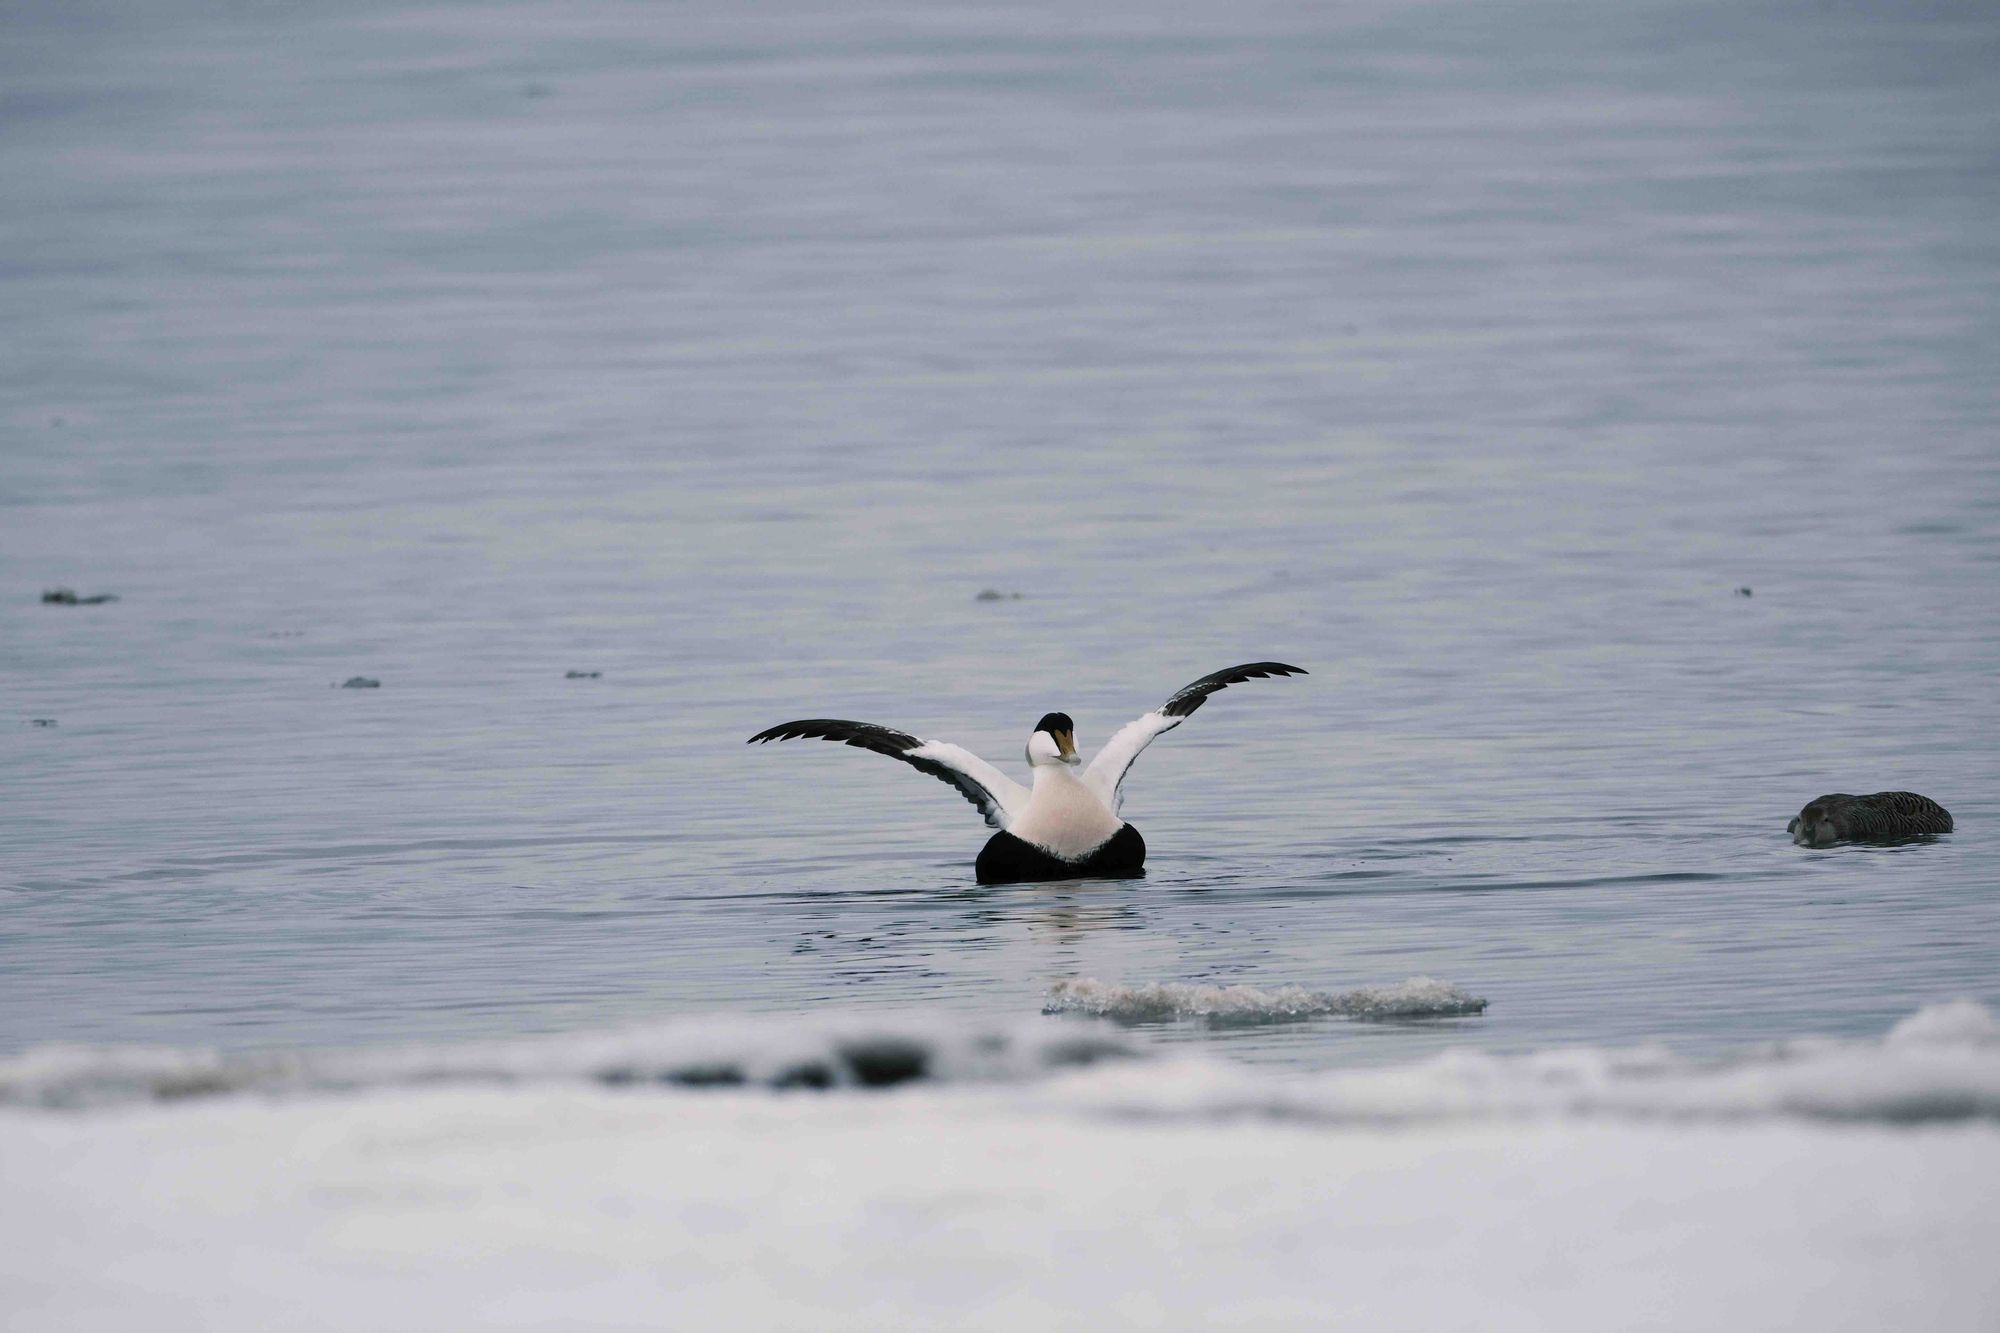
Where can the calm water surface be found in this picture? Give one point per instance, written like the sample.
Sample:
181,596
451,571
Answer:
1470,355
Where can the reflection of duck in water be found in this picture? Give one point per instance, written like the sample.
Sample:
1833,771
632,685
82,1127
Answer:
1886,816
1064,825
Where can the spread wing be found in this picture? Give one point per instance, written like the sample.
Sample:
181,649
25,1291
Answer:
1108,769
999,797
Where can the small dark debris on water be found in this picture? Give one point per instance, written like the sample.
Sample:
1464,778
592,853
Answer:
1742,592
361,683
995,595
41,722
68,597
582,675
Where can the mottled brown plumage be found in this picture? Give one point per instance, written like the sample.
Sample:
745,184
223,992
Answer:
1885,816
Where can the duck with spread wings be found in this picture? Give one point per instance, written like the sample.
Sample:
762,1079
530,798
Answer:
1062,824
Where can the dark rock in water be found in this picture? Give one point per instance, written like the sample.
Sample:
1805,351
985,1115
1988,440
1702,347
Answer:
68,597
995,595
868,1062
361,683
1885,816
883,1062
1742,592
581,675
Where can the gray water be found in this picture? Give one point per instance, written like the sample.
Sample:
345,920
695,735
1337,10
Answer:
1470,355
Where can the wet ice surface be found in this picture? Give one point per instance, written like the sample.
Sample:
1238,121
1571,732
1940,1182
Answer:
1940,1065
1470,356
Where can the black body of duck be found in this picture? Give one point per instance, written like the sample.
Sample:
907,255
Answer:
1884,816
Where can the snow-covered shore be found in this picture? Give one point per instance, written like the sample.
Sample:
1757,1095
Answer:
1819,1184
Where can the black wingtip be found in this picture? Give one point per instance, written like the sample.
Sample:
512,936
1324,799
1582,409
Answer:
1190,697
865,735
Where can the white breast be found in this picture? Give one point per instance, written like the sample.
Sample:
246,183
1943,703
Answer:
1064,817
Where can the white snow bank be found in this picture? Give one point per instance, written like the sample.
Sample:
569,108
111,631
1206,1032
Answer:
1570,1189
971,1207
1954,1023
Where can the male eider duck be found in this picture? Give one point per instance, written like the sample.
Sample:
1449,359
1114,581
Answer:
1885,816
1064,825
